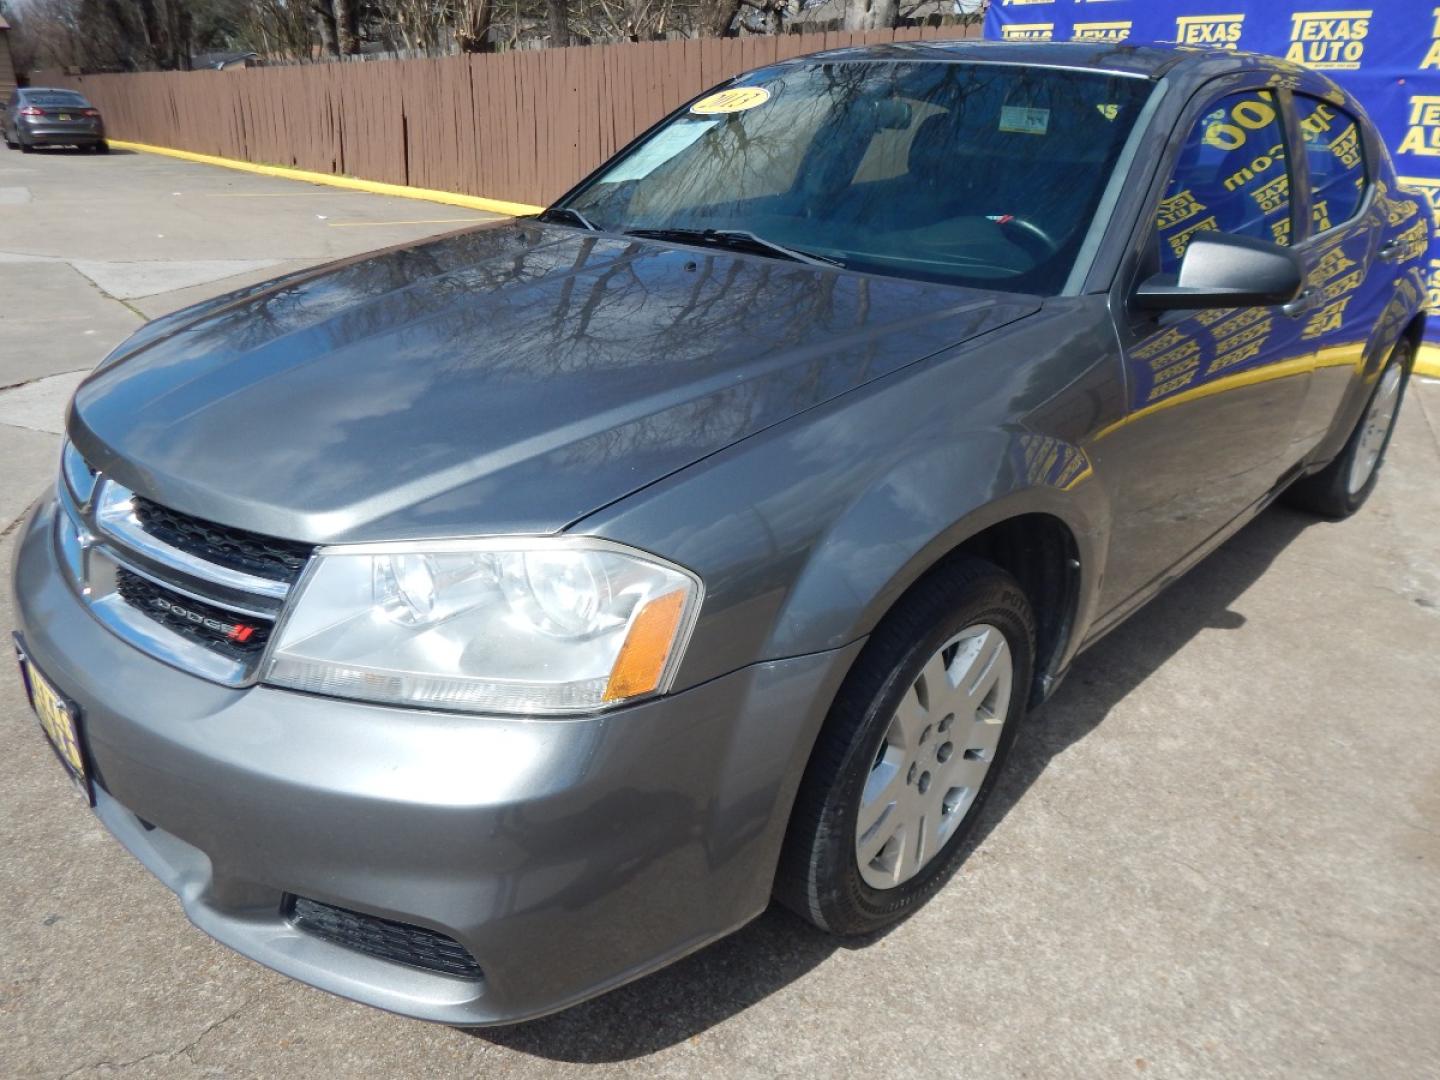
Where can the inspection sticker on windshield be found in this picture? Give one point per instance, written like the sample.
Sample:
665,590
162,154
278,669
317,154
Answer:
736,99
1024,119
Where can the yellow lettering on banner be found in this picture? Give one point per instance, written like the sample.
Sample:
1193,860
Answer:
1432,287
1346,147
1429,186
1177,208
1216,31
1102,31
1318,121
1422,137
1272,196
1237,356
1432,58
1320,214
1186,354
1280,231
1326,319
1158,344
1174,381
1027,32
1239,321
1251,114
1329,39
1343,285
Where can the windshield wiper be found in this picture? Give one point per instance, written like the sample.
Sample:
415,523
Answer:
736,240
575,215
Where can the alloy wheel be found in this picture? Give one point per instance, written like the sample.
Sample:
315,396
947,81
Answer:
1375,429
936,753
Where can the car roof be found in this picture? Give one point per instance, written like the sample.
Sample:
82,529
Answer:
49,90
1154,61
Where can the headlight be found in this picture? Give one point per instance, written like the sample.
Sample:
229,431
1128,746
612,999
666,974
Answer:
534,626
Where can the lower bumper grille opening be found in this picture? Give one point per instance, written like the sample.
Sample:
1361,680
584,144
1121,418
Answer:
386,939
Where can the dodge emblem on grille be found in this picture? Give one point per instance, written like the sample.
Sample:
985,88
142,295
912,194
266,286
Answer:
233,631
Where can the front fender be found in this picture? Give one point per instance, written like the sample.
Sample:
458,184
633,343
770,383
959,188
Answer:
923,508
806,532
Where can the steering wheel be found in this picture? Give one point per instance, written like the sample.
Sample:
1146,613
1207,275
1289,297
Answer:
1026,234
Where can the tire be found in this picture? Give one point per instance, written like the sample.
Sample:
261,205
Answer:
820,876
26,148
101,147
1341,488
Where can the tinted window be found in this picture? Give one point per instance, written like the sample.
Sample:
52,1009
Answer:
945,172
1232,176
1336,159
57,97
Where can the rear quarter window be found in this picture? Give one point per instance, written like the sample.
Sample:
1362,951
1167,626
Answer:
1335,153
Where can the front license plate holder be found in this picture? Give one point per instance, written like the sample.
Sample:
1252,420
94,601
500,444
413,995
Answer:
59,720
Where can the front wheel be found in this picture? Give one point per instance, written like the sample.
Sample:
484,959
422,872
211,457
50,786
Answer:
910,751
1341,488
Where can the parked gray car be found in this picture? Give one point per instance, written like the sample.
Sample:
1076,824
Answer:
36,116
473,626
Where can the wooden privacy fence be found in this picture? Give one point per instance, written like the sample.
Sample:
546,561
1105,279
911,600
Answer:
520,126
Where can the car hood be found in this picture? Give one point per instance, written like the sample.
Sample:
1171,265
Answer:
508,379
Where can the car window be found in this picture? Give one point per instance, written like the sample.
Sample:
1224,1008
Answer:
940,172
1336,159
58,97
1232,176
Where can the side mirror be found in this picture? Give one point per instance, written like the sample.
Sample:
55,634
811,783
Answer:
1220,270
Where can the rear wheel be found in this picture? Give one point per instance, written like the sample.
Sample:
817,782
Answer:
101,147
1342,487
910,751
26,148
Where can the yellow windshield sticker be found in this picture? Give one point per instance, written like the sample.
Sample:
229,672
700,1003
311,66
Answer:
736,99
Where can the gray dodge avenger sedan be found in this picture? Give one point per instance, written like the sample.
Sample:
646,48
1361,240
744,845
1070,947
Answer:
473,626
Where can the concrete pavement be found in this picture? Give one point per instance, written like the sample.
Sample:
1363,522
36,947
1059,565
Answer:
1217,852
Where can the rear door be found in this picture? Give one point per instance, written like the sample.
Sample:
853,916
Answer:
1214,395
1348,284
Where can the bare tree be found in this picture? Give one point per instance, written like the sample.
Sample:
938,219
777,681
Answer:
558,16
871,14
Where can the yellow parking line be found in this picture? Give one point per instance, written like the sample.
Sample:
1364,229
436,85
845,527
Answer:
375,187
1427,361
412,221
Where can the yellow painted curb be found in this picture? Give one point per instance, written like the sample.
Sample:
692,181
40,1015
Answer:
375,187
1427,361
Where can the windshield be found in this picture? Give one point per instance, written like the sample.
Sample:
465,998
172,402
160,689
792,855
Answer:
975,174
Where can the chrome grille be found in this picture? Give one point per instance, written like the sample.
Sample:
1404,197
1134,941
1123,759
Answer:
247,552
200,596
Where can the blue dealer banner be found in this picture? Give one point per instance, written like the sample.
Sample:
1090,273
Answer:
1386,52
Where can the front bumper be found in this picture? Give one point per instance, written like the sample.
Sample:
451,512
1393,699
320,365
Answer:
567,856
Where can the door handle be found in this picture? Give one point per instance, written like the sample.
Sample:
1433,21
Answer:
1301,304
1391,251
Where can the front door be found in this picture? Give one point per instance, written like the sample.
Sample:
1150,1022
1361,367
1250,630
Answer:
1214,395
